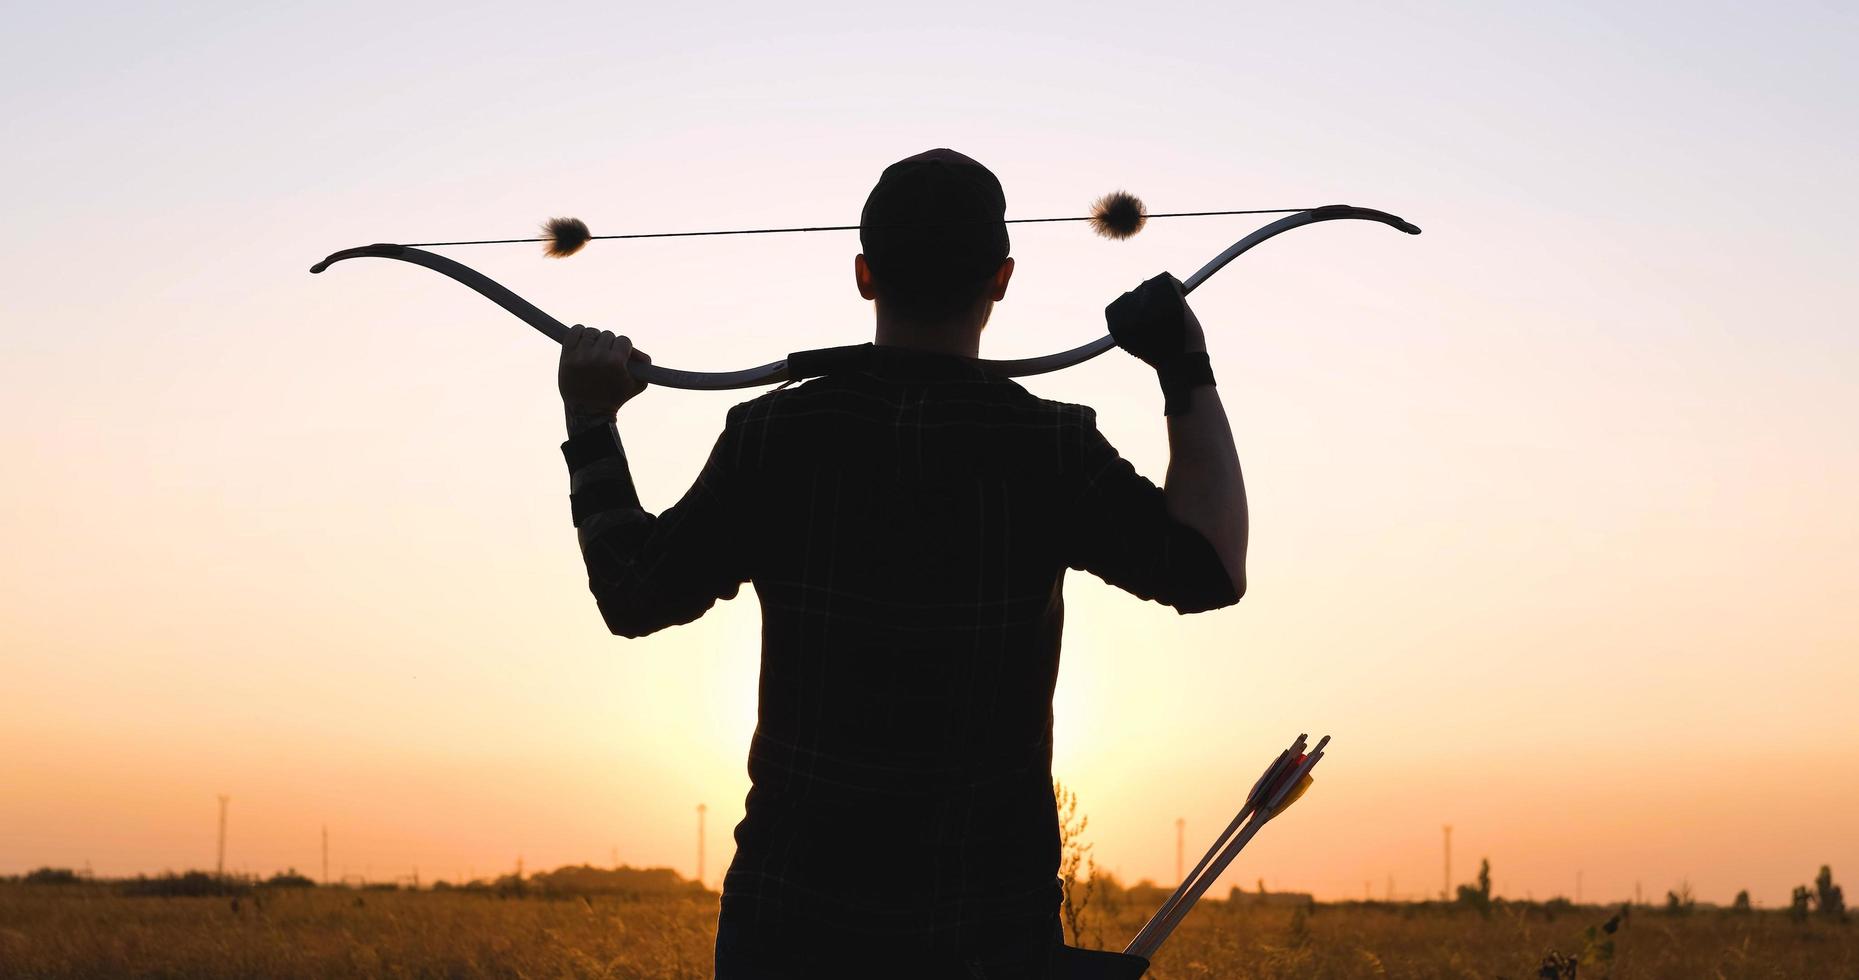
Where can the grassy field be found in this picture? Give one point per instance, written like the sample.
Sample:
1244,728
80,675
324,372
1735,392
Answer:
94,931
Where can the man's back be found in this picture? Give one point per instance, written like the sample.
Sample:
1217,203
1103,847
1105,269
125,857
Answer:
908,561
906,521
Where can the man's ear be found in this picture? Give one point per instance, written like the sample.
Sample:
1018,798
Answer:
999,290
861,274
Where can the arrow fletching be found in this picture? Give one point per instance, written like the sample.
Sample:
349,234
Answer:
1283,783
1296,793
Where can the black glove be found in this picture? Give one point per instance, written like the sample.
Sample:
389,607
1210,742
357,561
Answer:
1151,322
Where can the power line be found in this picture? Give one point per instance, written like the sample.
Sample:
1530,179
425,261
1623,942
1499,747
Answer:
700,843
1445,894
1180,828
219,866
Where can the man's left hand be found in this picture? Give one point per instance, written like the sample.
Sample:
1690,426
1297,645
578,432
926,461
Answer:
593,375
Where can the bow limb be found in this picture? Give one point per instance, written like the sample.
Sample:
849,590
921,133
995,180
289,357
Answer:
776,371
552,328
1078,355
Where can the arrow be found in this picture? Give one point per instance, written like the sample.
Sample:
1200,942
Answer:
1283,783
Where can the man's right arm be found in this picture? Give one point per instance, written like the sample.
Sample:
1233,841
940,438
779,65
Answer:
1205,488
1126,530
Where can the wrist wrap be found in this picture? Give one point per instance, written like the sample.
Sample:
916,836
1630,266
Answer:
596,442
1180,375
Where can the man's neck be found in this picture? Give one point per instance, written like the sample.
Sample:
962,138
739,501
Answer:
955,337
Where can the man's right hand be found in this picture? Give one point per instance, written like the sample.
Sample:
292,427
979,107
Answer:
1153,322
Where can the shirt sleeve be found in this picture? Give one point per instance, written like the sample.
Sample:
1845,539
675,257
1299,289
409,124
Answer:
1121,531
649,571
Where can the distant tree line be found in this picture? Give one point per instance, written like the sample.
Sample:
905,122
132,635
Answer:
637,883
1824,900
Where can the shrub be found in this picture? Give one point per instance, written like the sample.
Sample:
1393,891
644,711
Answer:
51,876
1077,868
1598,943
1799,903
1479,896
1828,897
289,879
190,885
624,882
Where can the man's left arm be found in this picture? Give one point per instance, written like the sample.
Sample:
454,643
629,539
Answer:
646,571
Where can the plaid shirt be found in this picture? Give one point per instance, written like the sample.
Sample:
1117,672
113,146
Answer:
907,521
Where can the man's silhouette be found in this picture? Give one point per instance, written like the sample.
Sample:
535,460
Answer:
907,520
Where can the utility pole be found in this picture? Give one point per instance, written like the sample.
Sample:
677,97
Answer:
1181,825
1636,893
219,866
1390,889
700,842
325,855
1445,894
616,857
1578,888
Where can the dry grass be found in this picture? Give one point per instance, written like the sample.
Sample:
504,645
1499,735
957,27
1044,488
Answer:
82,931
1411,943
91,931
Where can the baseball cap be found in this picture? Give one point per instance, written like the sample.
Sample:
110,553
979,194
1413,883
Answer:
936,217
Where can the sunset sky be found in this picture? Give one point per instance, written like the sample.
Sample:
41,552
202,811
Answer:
1553,507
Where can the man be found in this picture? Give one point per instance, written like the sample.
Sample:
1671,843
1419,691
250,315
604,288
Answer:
907,520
